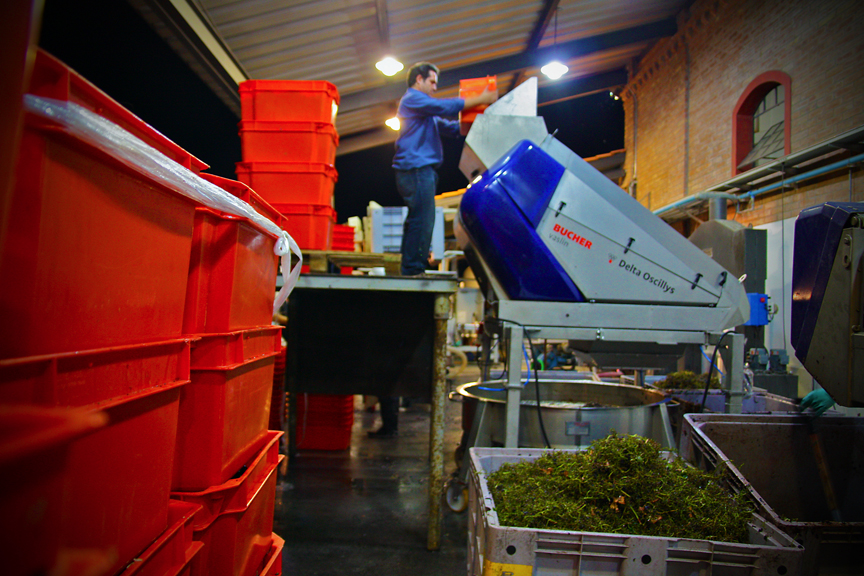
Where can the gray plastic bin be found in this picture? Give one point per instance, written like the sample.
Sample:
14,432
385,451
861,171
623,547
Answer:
498,550
772,458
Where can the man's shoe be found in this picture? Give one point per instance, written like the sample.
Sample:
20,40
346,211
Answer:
382,433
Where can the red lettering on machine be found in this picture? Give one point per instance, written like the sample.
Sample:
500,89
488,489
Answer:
572,236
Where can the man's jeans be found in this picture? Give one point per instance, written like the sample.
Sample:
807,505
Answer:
417,187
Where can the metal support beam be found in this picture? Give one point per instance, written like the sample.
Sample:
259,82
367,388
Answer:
436,426
515,335
546,13
383,23
189,33
733,360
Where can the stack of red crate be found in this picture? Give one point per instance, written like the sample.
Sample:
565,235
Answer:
136,358
226,458
323,421
94,261
288,139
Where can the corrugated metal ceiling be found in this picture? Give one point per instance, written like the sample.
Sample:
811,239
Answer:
340,41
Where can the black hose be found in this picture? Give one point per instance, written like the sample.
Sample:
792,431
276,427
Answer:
711,370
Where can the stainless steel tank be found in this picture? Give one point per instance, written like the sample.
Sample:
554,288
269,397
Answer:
574,412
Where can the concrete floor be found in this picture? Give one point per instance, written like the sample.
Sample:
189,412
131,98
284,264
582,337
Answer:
365,510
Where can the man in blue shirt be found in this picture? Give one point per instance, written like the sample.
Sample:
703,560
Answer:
419,153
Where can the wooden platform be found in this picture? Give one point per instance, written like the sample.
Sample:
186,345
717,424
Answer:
318,260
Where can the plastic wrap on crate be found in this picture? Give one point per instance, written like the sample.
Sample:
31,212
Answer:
51,78
494,549
225,409
171,554
771,458
246,194
143,158
34,450
236,520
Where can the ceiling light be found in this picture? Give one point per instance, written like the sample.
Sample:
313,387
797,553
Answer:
393,123
554,70
389,66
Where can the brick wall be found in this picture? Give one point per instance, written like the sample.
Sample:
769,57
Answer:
721,46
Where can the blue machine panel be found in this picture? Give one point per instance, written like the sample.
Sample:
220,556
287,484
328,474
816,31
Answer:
818,231
500,213
758,309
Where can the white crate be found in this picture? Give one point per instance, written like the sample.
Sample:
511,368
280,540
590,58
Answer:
386,230
495,550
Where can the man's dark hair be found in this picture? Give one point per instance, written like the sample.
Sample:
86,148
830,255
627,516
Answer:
421,68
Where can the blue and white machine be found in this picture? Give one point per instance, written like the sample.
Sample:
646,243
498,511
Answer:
550,233
561,252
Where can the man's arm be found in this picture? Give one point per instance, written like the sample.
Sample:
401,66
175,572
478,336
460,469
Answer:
486,97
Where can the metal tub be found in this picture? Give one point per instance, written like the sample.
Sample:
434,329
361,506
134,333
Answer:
574,412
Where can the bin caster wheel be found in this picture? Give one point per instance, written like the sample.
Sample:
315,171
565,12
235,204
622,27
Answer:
456,495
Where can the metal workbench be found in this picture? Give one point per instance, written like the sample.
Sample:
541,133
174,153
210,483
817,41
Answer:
376,335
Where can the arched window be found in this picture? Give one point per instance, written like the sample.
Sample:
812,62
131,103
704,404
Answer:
761,122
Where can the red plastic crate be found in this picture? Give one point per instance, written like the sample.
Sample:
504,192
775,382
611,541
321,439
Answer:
311,225
232,274
474,87
117,479
277,399
313,100
243,192
173,552
323,437
273,561
225,409
34,454
92,377
236,520
343,237
326,403
290,182
216,351
323,421
262,141
53,79
66,282
116,492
